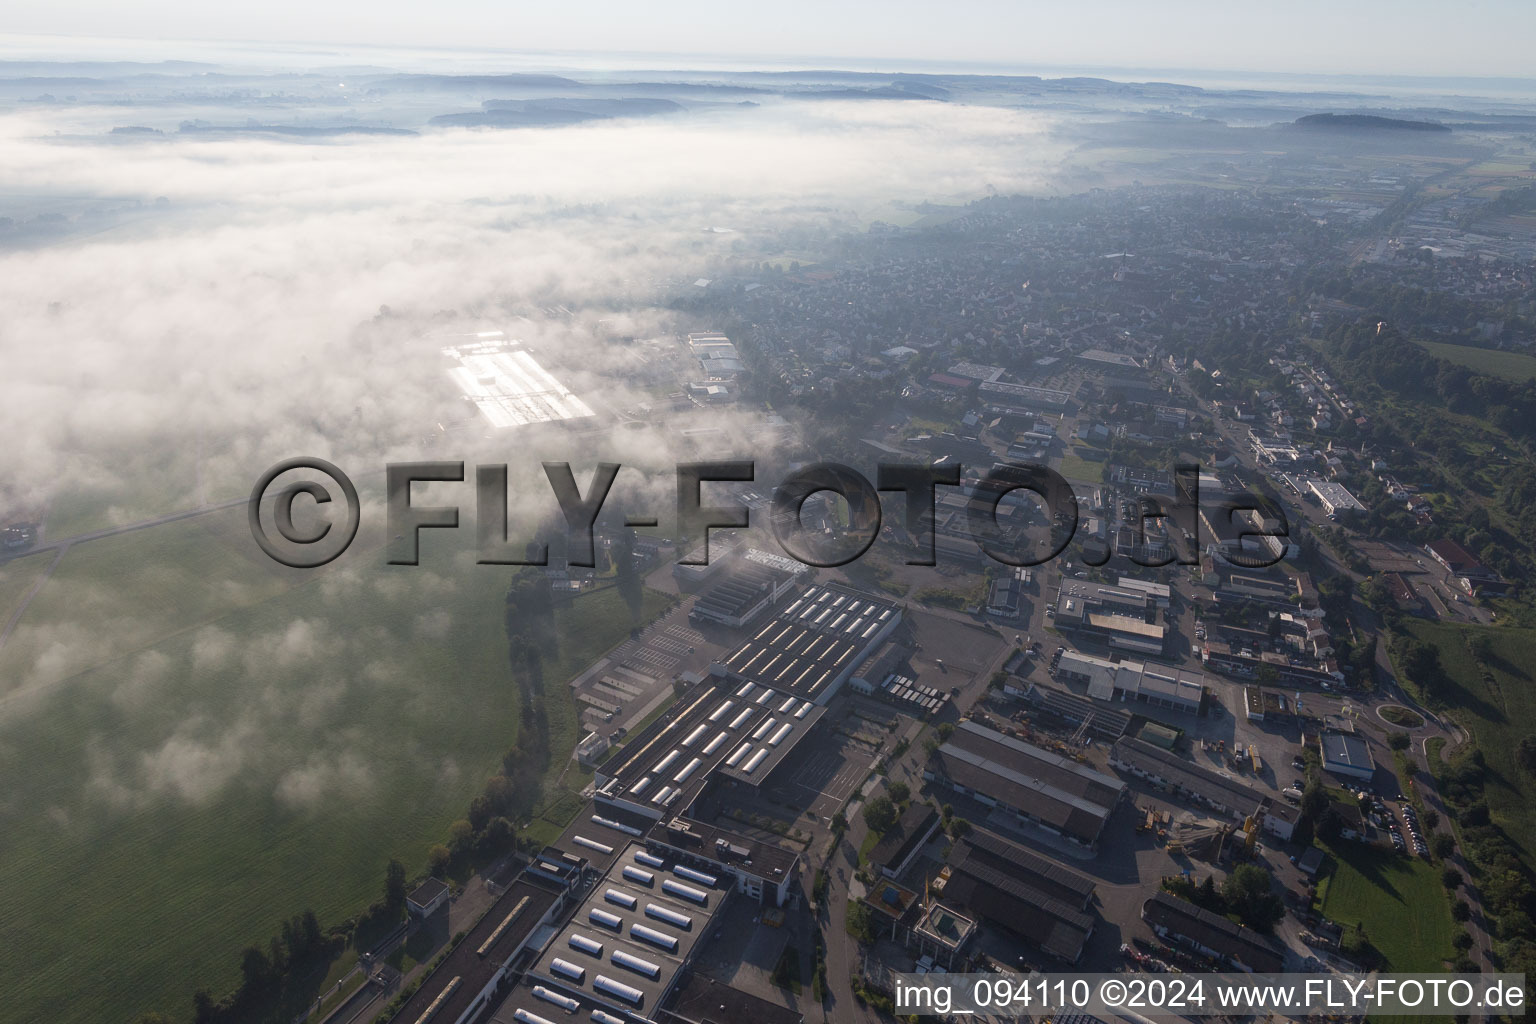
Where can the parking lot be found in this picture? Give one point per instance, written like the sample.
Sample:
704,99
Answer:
621,689
830,767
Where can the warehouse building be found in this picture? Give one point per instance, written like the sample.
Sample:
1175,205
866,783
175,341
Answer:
1123,619
1133,682
742,595
1017,397
1334,496
1345,753
508,386
1196,783
1104,722
815,643
742,733
1043,789
1051,877
629,940
1211,934
896,850
1015,889
467,982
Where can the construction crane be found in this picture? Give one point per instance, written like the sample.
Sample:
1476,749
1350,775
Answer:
1082,730
1252,826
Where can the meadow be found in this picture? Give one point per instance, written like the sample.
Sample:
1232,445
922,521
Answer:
1513,366
1398,901
198,743
1499,709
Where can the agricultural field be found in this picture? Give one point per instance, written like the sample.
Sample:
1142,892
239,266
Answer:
1398,901
16,579
1499,709
1514,366
199,744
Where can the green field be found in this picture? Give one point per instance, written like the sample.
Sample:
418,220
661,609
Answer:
1515,366
198,743
16,578
1075,467
1399,902
1499,711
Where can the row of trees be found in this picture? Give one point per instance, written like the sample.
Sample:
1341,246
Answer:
1247,894
1504,882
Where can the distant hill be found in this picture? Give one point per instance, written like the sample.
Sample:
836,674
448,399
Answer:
555,111
1354,122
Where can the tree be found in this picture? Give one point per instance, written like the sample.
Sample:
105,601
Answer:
499,835
1399,741
1443,845
256,970
1206,895
1450,878
880,814
860,924
1525,754
630,585
1461,911
438,859
394,885
900,791
959,827
839,822
1249,893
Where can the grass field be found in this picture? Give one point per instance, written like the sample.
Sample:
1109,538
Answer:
1399,902
1075,467
198,744
1515,366
16,578
1499,711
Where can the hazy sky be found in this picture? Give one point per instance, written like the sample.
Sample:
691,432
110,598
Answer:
1403,37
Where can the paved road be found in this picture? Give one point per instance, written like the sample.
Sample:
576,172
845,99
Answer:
1388,689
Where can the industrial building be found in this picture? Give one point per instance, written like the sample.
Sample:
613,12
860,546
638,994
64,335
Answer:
1013,397
1196,783
750,589
896,850
1334,496
1229,659
1346,753
467,982
1019,890
1094,719
1043,789
506,383
741,731
1133,682
629,939
717,356
1159,593
1211,934
814,644
1123,619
